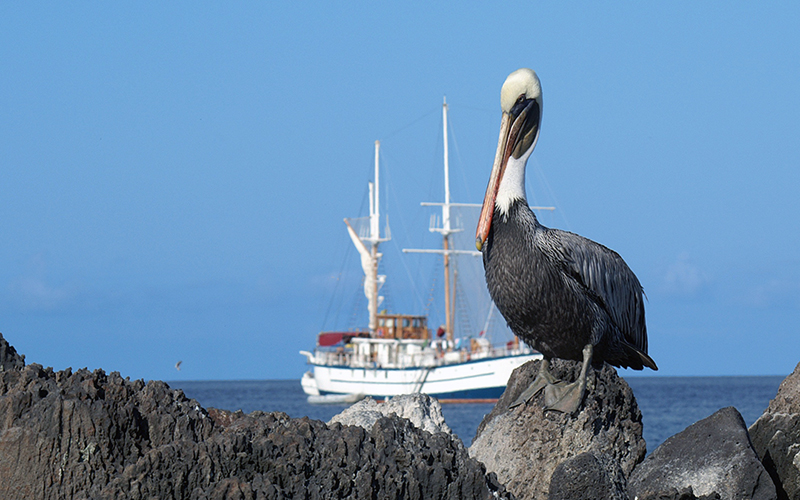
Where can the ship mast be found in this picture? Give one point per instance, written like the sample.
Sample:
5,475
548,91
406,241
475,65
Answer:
375,238
370,256
446,230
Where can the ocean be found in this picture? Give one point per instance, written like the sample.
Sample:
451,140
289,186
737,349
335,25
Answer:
668,404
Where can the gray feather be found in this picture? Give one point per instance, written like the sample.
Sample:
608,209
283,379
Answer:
559,291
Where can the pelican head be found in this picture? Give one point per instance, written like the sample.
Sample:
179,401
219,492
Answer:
521,102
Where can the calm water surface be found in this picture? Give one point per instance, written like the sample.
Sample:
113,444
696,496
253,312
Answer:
668,404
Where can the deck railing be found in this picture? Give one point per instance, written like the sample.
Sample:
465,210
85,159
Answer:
347,357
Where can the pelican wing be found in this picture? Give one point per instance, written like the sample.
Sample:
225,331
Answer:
603,273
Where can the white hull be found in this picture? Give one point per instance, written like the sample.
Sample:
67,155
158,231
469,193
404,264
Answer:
477,379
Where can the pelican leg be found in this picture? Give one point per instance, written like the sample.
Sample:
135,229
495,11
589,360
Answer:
543,379
567,397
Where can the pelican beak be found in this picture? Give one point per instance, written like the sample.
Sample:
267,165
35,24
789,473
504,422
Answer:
518,132
498,169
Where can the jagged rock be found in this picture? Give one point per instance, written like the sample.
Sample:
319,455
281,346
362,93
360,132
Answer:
788,398
776,437
94,435
422,410
588,476
676,494
65,433
272,456
713,455
525,445
9,359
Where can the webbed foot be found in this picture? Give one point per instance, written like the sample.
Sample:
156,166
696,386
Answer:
558,395
543,379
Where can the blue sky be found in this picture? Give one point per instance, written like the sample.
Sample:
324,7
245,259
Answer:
175,175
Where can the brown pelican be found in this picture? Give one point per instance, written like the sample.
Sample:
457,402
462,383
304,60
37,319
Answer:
565,295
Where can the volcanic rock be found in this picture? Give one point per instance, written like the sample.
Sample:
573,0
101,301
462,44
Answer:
82,434
713,455
9,359
676,494
588,476
421,410
524,445
776,437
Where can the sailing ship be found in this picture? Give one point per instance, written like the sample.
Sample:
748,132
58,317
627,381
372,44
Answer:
398,353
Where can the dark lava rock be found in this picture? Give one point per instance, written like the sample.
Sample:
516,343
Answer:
776,437
711,456
523,446
9,359
588,476
92,435
676,494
